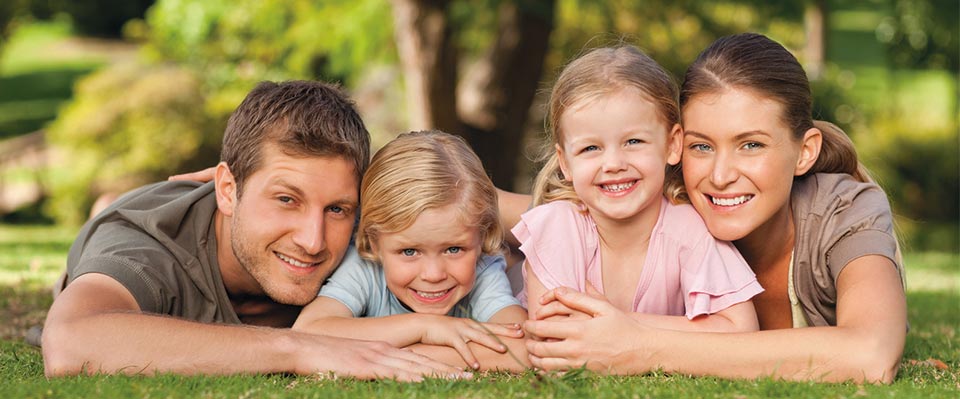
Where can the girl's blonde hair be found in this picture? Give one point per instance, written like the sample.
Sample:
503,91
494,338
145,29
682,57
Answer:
425,170
599,72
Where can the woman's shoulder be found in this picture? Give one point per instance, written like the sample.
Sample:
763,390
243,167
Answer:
832,192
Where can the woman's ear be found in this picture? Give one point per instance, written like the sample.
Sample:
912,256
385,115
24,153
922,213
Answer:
809,151
226,188
563,164
675,144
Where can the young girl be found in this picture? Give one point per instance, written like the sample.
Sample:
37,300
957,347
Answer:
427,264
791,195
606,224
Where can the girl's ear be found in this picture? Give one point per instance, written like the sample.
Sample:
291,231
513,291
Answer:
561,162
675,144
226,188
809,151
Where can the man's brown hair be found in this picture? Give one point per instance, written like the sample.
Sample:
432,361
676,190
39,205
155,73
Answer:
304,118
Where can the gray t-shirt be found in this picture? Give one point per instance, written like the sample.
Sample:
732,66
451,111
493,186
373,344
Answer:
361,286
838,219
159,241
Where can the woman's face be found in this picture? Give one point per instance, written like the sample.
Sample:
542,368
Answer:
739,160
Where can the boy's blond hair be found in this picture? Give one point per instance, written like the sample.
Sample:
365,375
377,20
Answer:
425,170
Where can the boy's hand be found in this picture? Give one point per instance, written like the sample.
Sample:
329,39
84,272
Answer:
457,333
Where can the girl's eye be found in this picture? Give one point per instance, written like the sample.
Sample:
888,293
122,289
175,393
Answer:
408,251
700,147
590,148
634,141
454,250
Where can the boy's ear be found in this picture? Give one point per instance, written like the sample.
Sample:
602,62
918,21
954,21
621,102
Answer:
562,163
809,151
226,188
675,144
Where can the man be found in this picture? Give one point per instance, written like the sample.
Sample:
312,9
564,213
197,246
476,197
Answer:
182,277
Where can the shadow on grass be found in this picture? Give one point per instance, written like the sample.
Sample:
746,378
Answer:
41,92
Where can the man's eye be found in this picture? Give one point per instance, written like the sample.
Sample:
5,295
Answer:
408,252
285,199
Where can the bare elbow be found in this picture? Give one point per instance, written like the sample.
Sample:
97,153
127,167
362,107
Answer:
878,363
58,358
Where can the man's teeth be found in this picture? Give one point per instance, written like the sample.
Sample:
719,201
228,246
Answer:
730,201
617,187
432,295
292,261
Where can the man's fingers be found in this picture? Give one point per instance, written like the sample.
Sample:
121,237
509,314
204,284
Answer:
200,176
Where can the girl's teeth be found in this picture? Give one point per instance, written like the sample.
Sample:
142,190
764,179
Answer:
730,201
617,187
292,261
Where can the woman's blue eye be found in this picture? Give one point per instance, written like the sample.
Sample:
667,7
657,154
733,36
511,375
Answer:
752,145
700,147
408,252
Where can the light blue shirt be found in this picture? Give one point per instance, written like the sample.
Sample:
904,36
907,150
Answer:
361,286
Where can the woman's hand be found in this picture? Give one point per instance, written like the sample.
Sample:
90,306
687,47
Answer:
603,342
202,176
457,333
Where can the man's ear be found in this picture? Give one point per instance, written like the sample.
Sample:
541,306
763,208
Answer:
809,151
675,144
562,163
226,187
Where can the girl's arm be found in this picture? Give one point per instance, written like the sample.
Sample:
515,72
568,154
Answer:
866,345
514,358
330,317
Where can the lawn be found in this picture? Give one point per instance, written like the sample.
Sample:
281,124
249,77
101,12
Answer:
31,256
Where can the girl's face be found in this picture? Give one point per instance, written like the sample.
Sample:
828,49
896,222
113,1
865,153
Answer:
614,150
431,265
739,160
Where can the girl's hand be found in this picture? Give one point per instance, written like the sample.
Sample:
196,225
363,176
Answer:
457,333
553,309
202,176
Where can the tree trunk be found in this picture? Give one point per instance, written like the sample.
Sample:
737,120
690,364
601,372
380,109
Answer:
815,51
498,92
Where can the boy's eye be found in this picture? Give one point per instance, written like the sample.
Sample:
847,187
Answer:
700,147
454,250
336,209
408,251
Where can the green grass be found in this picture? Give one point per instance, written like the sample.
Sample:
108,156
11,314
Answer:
33,255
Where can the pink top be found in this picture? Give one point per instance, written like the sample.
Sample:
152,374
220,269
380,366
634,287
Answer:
686,271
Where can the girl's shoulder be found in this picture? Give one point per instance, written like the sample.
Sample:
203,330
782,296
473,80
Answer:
681,220
561,216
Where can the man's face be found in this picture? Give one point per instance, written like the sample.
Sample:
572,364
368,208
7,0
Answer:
292,225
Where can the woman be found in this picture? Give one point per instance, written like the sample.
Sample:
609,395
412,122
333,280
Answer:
793,199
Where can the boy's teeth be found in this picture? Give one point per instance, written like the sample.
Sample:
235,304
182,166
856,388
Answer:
730,201
292,261
617,187
432,295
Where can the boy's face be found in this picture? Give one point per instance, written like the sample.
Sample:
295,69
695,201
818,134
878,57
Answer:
431,265
291,227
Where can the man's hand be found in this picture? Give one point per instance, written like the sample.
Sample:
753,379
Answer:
202,176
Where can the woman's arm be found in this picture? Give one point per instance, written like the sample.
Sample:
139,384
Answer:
866,345
511,205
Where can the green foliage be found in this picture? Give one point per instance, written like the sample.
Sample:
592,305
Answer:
127,126
252,40
922,34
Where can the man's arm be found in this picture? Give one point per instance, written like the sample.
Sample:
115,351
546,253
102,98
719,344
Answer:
95,325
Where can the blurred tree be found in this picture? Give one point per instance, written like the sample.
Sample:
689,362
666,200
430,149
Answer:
103,18
495,96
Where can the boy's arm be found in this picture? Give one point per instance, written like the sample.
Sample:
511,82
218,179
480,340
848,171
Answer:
95,325
513,359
